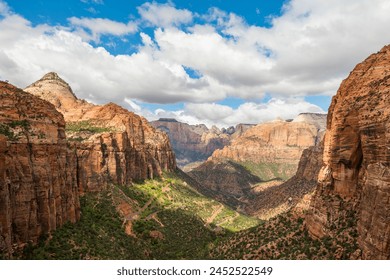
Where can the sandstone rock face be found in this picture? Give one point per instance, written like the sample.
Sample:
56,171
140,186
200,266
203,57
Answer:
355,177
295,193
267,154
195,143
273,142
38,172
225,181
112,144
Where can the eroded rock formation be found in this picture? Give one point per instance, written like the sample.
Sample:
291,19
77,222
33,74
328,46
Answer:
38,172
273,142
46,163
262,158
195,143
270,201
354,182
112,144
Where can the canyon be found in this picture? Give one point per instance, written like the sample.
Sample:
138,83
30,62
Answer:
56,150
315,187
263,157
193,144
112,144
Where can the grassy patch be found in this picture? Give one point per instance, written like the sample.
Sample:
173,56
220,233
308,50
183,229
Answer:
86,126
173,193
270,171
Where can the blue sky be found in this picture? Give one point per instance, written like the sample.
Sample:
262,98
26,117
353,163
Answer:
216,62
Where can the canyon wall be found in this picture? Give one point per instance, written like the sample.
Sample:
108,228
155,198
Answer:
355,179
53,150
112,144
250,173
38,172
193,144
273,142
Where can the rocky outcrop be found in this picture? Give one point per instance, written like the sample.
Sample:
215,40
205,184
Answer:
277,141
354,182
272,200
38,172
112,144
225,181
262,158
195,143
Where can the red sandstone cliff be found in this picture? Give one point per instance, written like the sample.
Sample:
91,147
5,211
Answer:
112,144
355,179
193,144
42,172
273,142
38,183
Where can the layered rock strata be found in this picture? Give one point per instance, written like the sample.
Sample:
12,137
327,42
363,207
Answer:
270,201
38,171
195,143
112,144
273,142
355,179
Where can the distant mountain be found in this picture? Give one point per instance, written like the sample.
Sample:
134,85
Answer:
269,151
193,144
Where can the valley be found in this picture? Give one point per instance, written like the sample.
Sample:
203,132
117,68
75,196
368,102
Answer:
86,181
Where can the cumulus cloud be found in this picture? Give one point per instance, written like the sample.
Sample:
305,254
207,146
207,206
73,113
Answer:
225,116
164,15
93,28
250,112
307,50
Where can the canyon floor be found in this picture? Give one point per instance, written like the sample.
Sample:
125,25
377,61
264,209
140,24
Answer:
168,219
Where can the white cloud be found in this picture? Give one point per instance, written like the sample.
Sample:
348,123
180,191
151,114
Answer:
309,49
101,26
224,116
249,112
164,15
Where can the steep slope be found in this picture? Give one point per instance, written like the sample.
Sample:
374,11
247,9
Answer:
355,179
162,218
113,144
271,153
272,200
274,142
38,172
220,180
195,143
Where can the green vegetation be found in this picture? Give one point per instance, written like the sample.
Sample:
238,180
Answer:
98,235
22,123
285,237
13,130
270,171
168,219
174,193
165,219
86,126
